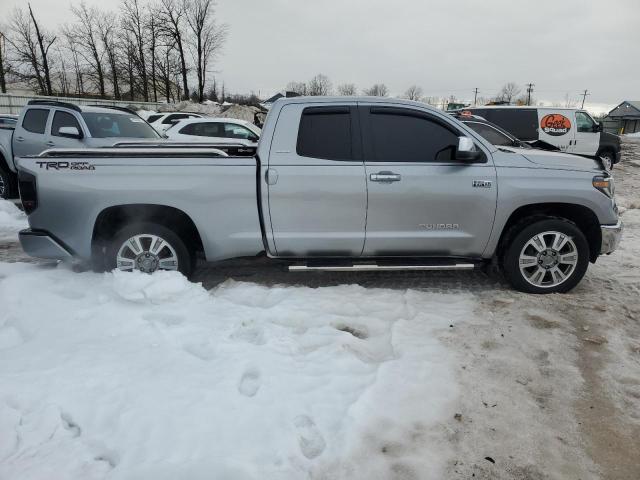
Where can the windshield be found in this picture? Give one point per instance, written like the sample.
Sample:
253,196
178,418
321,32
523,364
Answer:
493,135
106,125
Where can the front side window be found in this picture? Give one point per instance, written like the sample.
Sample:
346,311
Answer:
35,120
123,125
584,122
493,136
63,119
325,132
410,138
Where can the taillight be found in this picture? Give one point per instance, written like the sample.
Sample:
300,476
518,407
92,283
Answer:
28,191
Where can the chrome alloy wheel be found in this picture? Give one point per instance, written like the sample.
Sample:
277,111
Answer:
548,259
147,253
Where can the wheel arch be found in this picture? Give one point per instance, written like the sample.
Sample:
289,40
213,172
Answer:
584,218
113,218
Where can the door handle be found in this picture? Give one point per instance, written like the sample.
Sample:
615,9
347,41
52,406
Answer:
385,177
19,139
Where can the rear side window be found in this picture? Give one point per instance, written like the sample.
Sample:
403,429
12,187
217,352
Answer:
63,119
153,118
325,132
175,118
519,122
399,137
35,120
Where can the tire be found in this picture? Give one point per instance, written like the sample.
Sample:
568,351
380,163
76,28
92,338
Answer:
608,159
550,269
147,258
6,184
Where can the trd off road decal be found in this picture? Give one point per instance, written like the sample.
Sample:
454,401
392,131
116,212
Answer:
555,124
66,165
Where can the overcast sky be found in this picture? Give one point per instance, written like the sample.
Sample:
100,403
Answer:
447,47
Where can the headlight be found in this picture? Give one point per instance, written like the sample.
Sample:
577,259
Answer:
605,184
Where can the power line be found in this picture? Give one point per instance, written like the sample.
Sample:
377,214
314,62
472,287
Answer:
584,96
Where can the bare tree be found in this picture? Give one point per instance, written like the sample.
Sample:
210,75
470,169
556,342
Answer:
152,27
568,101
26,62
347,89
84,32
298,87
377,90
320,85
171,15
106,28
414,92
133,21
44,42
207,40
508,92
3,82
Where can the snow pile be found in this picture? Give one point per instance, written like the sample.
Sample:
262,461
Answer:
632,137
126,376
12,220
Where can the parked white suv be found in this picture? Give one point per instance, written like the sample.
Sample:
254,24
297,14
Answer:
163,121
216,130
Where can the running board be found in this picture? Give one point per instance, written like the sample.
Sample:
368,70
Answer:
373,267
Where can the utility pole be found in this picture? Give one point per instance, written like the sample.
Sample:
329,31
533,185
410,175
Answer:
529,91
475,97
584,96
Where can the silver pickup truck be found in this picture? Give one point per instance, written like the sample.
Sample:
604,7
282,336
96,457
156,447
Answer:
349,183
46,124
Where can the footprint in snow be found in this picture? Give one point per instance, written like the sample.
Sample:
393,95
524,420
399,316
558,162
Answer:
310,439
249,383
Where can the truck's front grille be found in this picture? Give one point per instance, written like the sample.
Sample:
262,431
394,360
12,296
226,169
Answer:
28,191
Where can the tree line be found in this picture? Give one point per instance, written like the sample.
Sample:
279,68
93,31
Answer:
164,50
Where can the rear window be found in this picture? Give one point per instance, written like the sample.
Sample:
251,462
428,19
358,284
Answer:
325,132
35,120
153,118
107,125
519,122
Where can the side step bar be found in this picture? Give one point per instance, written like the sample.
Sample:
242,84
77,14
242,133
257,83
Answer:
373,267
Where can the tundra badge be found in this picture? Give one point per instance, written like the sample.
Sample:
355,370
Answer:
482,183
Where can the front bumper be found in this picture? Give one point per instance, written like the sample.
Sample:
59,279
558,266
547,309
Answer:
611,235
41,244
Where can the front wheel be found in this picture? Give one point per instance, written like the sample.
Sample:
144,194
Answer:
607,159
148,247
6,184
548,256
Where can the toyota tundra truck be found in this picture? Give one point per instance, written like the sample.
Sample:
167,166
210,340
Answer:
339,184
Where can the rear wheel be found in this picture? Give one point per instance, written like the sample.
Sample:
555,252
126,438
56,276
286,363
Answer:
6,184
148,247
548,256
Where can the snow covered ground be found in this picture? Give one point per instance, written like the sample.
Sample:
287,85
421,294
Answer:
328,376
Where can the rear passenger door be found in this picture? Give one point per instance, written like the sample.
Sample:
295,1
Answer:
29,136
421,201
316,182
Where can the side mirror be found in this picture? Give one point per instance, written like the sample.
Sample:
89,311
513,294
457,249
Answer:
467,151
597,127
69,132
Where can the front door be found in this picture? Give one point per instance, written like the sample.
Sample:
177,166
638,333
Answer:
57,140
587,138
421,201
316,182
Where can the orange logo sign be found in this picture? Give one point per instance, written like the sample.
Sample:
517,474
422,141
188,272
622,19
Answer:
555,124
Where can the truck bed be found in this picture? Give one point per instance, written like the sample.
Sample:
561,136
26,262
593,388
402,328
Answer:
219,193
